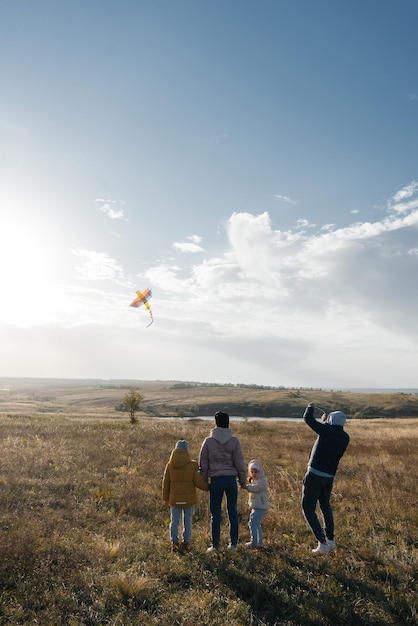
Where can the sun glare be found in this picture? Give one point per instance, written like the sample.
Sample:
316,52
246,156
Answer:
27,268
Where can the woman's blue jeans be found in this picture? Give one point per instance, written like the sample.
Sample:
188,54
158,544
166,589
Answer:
318,489
220,485
176,514
256,517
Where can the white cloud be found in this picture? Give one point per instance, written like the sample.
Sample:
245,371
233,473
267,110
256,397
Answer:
304,223
191,246
187,247
403,207
402,194
322,284
285,199
109,208
326,286
166,277
97,266
195,238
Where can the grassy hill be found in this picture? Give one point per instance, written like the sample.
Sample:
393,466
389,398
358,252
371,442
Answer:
171,398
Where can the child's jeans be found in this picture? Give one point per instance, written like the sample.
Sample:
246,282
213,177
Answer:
176,514
256,517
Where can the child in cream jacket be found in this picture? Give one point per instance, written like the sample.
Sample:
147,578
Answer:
258,502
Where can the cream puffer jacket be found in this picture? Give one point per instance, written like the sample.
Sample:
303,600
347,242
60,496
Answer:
258,497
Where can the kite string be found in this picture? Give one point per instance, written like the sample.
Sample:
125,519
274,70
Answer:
316,406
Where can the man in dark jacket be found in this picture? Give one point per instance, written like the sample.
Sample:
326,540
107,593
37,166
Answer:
331,443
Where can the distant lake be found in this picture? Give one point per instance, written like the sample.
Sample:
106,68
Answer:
233,418
238,418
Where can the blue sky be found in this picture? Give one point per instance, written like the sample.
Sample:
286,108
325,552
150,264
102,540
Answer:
254,163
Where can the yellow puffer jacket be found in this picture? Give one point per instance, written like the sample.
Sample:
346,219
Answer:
181,477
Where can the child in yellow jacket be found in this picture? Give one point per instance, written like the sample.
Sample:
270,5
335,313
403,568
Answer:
181,477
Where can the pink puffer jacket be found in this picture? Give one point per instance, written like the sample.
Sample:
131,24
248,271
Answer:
221,455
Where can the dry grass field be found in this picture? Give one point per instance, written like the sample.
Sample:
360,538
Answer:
84,533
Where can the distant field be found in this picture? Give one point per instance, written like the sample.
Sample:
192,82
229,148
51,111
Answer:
168,399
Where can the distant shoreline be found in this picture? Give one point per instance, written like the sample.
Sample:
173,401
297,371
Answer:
10,380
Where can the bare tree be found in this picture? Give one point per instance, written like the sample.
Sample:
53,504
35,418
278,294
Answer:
132,401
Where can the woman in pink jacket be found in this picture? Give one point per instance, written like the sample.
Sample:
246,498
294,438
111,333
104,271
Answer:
221,462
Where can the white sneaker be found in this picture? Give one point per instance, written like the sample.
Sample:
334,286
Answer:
331,544
321,548
212,549
232,547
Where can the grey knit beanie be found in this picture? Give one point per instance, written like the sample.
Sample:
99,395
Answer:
183,445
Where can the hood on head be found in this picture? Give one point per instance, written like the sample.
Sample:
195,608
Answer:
254,464
179,457
336,418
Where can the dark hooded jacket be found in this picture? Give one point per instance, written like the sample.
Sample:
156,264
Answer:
329,447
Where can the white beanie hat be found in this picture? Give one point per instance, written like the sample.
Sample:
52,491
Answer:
254,464
336,418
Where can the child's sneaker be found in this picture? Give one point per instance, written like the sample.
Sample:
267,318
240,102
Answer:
212,549
321,548
174,547
250,544
185,546
233,547
331,544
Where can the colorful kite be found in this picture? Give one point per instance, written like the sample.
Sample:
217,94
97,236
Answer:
142,298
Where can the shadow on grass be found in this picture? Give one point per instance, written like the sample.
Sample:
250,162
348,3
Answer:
347,599
268,606
269,602
286,597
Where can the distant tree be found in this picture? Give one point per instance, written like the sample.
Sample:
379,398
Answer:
132,401
181,413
